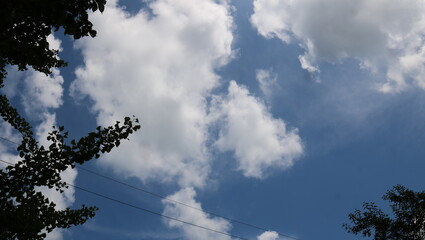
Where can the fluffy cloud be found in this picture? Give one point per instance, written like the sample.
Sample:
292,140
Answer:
267,81
159,67
383,35
187,196
269,235
258,140
38,93
42,92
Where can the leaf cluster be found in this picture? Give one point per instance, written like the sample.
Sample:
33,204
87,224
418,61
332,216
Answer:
25,213
25,25
407,221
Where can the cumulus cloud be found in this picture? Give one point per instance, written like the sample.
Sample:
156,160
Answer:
159,67
12,81
269,235
54,43
267,80
187,195
38,93
42,92
383,35
56,234
258,140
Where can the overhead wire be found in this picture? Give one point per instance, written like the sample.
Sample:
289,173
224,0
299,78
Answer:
7,140
9,163
178,202
156,213
147,210
181,203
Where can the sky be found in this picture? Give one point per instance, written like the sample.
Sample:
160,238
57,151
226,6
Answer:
283,114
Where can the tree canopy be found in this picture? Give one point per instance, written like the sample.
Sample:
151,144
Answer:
26,24
25,213
407,221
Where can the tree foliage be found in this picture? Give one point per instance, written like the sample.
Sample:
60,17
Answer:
407,221
25,213
25,25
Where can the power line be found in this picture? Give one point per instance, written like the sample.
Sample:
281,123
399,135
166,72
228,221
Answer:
177,202
149,211
7,162
181,203
156,213
7,140
159,196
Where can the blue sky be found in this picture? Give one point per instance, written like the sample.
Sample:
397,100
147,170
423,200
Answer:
282,114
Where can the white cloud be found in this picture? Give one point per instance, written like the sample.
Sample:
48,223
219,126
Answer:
383,35
308,64
268,19
161,69
269,235
39,92
42,92
267,80
11,82
187,196
46,126
259,141
56,234
54,43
